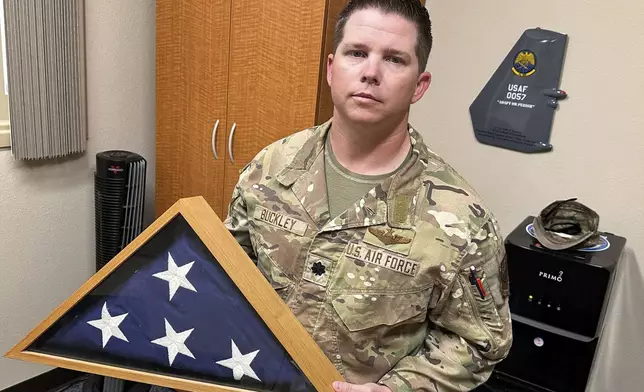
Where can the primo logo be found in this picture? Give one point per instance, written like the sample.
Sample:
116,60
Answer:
556,278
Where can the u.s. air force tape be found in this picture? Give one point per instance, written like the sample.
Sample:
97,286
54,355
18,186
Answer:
382,259
282,221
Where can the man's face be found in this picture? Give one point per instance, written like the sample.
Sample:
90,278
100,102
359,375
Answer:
374,73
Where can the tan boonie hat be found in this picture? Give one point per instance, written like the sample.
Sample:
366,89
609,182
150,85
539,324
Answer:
567,224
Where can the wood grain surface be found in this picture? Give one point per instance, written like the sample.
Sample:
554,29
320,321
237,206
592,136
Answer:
274,71
191,89
325,103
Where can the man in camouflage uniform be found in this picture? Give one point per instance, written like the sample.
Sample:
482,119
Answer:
383,251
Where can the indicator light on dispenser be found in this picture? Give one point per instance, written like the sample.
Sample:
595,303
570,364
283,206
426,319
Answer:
530,298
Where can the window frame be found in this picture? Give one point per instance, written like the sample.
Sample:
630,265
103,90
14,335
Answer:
5,129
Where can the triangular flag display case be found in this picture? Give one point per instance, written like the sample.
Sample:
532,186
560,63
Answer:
182,306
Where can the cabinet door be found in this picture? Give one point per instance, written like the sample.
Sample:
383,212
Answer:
192,42
325,103
275,50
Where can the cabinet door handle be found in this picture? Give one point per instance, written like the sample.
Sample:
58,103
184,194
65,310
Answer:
214,139
230,142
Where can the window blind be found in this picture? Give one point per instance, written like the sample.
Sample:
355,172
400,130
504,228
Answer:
45,51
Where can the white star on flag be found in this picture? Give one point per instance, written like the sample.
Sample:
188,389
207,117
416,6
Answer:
109,325
174,342
240,364
176,276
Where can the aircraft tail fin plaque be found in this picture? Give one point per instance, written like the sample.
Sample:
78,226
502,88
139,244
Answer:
515,109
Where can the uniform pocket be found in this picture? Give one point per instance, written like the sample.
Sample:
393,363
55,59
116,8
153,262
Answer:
359,312
481,310
375,331
493,277
484,305
280,282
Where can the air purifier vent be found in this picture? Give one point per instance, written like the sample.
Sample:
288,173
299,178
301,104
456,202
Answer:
119,195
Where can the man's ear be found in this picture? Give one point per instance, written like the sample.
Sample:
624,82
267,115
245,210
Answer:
329,68
424,80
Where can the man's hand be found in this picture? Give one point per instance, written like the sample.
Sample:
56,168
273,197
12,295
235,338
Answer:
339,386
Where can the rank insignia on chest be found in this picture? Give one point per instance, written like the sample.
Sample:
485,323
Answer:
317,270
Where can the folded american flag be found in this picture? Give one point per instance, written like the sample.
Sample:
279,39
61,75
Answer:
171,309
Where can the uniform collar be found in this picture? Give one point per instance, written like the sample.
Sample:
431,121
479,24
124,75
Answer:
400,193
304,158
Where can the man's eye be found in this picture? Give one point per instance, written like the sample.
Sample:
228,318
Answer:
396,60
357,53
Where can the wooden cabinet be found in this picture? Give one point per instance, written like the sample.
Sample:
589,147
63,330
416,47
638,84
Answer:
274,71
233,76
192,63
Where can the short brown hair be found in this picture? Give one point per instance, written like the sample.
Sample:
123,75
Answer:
411,10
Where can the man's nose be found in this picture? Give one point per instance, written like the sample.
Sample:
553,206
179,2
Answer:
371,72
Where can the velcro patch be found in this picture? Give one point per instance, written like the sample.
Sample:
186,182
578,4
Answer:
282,221
382,259
317,270
393,240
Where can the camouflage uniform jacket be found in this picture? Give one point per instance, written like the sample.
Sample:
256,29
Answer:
384,288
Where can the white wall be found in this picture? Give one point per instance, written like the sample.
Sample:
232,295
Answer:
47,209
598,134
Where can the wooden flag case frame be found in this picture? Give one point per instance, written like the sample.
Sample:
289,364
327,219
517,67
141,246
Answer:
242,271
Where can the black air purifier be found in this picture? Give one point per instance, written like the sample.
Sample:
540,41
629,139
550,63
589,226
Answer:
119,192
